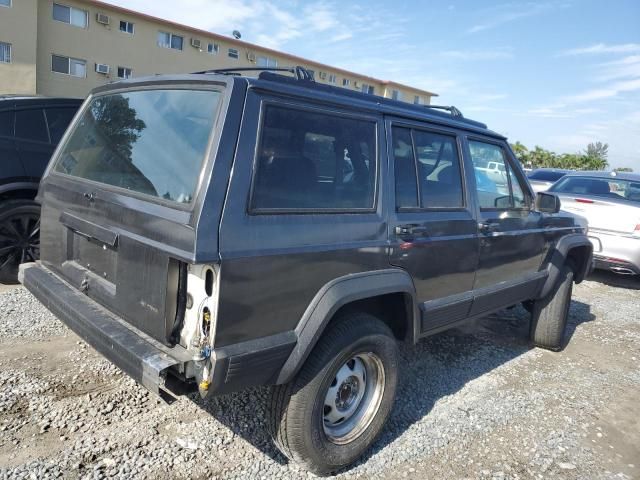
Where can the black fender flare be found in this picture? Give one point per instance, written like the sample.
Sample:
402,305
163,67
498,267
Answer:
559,256
335,294
13,186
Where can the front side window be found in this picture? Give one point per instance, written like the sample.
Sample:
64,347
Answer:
498,186
429,176
5,52
58,120
169,40
314,161
152,142
30,125
71,15
124,72
233,53
126,27
69,66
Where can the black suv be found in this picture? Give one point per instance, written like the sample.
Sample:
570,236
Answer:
30,129
213,232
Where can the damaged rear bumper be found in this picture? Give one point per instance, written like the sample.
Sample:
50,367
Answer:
141,357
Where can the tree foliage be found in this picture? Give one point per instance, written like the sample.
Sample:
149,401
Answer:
593,158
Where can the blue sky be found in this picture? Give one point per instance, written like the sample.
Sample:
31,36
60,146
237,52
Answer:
558,74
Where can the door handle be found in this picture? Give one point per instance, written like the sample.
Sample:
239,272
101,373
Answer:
411,230
488,227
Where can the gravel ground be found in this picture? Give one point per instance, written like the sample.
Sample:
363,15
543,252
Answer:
477,402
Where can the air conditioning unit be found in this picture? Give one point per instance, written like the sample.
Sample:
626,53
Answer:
196,43
103,68
251,57
102,18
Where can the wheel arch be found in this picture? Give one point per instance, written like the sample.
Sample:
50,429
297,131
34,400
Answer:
366,291
19,191
574,248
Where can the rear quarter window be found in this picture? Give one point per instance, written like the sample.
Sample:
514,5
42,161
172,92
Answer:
151,141
314,161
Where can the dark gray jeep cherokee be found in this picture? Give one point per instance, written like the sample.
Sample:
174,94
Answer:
214,232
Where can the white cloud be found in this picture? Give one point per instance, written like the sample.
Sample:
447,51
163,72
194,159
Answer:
608,91
601,48
506,13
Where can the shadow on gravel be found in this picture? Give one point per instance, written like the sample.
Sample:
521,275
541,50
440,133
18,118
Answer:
611,279
436,367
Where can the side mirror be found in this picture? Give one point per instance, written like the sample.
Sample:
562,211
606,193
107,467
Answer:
547,203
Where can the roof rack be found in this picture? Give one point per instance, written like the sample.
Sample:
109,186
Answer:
300,73
451,109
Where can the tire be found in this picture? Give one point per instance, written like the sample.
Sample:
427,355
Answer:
549,314
19,236
305,428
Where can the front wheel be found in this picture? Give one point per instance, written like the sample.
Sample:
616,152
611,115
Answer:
549,315
338,403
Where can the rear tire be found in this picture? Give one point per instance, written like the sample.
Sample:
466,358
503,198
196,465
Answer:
338,403
549,315
19,236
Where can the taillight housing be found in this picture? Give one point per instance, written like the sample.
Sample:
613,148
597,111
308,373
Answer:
636,231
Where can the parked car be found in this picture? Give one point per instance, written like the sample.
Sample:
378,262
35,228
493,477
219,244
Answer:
610,202
214,232
542,178
30,129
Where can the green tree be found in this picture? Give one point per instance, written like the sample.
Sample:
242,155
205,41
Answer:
118,122
596,156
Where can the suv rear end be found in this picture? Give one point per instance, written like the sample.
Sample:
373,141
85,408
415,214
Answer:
121,208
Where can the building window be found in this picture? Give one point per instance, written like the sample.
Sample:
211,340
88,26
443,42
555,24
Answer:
332,78
71,15
169,40
5,52
416,100
124,72
366,88
69,66
346,82
233,53
126,27
213,48
5,3
396,94
267,62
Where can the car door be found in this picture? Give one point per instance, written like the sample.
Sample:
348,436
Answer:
32,141
512,237
432,229
10,166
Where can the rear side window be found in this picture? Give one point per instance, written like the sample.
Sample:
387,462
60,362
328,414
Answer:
151,141
6,124
314,161
58,120
30,125
427,170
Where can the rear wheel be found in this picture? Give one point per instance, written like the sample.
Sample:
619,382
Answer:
19,237
549,315
338,403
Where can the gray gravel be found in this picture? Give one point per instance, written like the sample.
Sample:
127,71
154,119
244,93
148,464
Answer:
476,402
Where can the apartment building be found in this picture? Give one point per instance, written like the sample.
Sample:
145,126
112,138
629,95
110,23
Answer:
68,47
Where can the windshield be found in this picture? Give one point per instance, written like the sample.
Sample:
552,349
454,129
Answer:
603,187
546,175
150,141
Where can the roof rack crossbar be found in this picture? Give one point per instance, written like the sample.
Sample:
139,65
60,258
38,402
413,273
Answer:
451,109
300,73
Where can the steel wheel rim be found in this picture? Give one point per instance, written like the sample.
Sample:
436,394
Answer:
353,398
19,240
